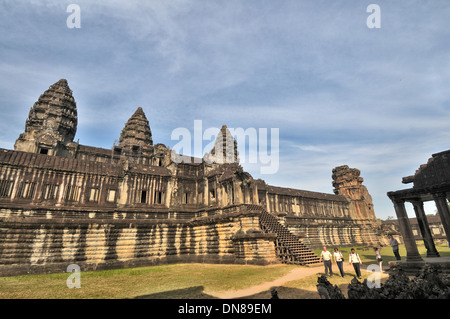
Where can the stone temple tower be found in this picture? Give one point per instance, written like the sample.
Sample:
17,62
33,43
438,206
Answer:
348,182
225,148
136,136
51,123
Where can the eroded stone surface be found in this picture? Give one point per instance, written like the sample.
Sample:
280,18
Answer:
138,203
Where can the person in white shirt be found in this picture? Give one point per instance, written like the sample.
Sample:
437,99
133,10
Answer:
356,262
339,259
379,258
325,256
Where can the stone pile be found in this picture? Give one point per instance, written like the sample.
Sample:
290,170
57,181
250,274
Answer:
429,283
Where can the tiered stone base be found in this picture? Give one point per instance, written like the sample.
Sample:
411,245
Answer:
32,243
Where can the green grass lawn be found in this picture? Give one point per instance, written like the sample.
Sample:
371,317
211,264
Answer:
166,281
181,281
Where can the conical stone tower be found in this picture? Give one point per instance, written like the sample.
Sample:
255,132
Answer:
348,182
52,122
225,148
136,135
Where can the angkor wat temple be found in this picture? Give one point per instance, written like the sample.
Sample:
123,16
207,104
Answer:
64,203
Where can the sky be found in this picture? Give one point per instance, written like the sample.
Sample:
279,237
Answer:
339,92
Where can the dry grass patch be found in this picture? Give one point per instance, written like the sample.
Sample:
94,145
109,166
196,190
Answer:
167,281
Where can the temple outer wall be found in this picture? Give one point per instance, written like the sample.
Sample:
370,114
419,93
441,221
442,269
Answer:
333,232
47,245
324,219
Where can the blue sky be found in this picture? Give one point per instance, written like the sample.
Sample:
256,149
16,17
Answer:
339,92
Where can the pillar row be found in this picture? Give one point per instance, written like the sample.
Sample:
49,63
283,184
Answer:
425,228
412,253
441,204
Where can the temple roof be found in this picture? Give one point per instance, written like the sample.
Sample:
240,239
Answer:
434,173
227,171
261,184
136,131
430,178
305,194
57,163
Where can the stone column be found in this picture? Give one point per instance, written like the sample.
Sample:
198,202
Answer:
412,253
425,228
221,195
255,196
444,213
206,200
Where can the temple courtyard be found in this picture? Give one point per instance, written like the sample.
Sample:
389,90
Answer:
195,281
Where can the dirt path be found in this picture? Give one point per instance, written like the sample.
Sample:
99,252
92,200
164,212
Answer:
295,274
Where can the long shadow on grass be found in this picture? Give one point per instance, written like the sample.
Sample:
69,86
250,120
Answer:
186,293
198,293
285,293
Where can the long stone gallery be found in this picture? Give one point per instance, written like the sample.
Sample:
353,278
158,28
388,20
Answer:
64,203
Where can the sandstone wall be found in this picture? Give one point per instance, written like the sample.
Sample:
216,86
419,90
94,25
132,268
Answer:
332,232
32,243
322,219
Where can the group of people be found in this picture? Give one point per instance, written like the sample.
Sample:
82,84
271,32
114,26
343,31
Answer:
354,259
327,257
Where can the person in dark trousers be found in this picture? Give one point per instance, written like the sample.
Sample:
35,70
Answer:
378,257
356,262
339,259
394,244
326,257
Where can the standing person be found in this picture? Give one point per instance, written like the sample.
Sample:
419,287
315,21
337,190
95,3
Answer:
326,257
378,256
339,259
394,244
356,262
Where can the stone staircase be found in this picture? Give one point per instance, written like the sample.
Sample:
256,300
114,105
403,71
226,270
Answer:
289,248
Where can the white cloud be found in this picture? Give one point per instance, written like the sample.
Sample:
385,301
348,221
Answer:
311,148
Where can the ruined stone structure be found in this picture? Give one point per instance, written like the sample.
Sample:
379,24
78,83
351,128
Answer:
437,231
431,182
139,203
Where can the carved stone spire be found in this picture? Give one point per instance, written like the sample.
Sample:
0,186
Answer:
347,182
136,132
225,148
52,121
